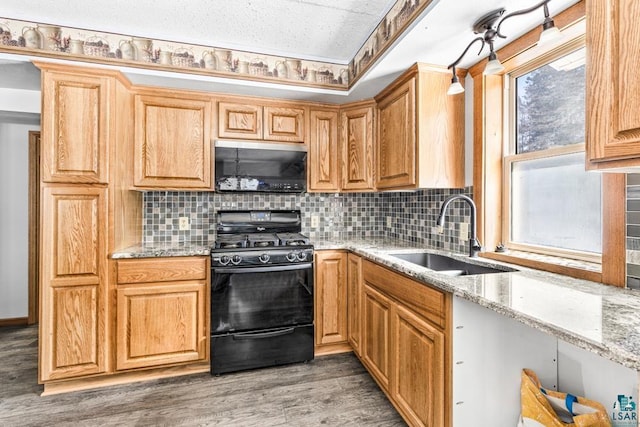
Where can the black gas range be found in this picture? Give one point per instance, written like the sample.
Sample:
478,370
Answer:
261,291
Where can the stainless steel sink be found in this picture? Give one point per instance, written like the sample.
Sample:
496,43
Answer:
447,265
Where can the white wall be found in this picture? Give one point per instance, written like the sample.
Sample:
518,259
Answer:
14,185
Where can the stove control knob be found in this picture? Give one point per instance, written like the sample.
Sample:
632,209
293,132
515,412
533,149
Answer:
236,259
291,256
224,259
264,258
301,256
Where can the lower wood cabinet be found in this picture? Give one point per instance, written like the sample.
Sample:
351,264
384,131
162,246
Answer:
73,292
418,360
354,301
162,312
405,344
376,332
330,301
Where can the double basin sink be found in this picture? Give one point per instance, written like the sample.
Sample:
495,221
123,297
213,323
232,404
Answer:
447,265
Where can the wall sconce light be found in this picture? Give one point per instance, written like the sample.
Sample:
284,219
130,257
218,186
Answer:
485,24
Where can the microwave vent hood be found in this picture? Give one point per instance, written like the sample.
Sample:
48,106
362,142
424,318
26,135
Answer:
242,166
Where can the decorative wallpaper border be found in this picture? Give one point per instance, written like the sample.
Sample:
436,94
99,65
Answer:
398,19
43,39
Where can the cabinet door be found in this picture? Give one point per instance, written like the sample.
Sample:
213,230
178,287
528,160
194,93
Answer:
354,301
418,380
376,335
324,173
73,282
331,297
284,124
356,141
172,142
396,156
75,128
613,85
161,324
239,121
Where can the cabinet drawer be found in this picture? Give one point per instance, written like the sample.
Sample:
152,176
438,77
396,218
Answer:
162,269
424,300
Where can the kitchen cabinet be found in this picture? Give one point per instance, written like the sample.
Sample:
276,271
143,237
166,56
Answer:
418,379
73,291
420,132
324,162
331,302
260,122
376,335
173,140
357,146
284,124
354,301
613,123
152,294
75,126
239,120
405,343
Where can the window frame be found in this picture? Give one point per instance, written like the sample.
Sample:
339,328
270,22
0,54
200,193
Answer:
510,156
489,130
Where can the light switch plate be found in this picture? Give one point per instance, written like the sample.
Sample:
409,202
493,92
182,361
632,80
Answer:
315,221
389,222
183,223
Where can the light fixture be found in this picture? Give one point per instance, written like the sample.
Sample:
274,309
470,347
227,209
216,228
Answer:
485,25
455,86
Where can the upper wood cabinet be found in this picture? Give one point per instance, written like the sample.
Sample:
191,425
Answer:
357,147
331,297
73,275
613,84
75,127
259,122
239,121
173,140
152,294
284,124
323,165
420,141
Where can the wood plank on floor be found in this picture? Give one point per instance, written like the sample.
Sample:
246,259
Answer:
332,390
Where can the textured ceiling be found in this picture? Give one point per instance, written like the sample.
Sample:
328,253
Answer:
328,30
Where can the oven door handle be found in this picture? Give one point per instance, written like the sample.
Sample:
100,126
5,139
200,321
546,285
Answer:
259,335
275,268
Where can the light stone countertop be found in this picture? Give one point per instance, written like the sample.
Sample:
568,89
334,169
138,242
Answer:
602,319
161,250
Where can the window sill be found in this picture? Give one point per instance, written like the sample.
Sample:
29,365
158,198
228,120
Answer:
568,267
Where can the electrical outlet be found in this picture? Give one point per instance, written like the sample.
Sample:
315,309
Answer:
464,231
389,222
183,223
315,221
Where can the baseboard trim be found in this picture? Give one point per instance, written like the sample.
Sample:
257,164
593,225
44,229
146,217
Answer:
16,321
78,384
327,349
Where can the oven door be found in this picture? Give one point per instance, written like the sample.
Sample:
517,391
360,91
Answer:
264,297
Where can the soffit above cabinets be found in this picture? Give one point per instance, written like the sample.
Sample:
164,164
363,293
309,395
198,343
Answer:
331,30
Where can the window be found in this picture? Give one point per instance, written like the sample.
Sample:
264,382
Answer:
552,206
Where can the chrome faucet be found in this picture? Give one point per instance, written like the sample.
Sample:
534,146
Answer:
474,244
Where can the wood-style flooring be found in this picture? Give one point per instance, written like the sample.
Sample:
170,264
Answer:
329,391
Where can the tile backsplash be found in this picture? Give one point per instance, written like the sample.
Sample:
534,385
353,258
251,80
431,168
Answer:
409,216
633,230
